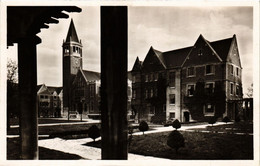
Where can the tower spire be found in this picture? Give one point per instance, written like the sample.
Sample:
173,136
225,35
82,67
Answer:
72,34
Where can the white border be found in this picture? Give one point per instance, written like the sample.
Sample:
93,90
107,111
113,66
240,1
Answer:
199,3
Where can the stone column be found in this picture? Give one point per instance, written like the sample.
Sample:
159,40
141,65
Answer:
27,69
114,82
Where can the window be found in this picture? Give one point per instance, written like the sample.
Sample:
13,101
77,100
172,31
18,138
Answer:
151,77
66,50
172,99
237,90
134,94
155,92
151,92
200,52
133,79
172,115
146,93
155,76
191,89
46,97
209,109
152,110
191,71
209,87
209,69
74,49
41,96
172,79
54,97
231,69
146,78
237,71
91,90
231,88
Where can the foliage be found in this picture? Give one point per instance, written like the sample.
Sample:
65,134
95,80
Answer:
176,124
175,140
201,97
12,91
212,120
143,126
94,132
250,91
226,119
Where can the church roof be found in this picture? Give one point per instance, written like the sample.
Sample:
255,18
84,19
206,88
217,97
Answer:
72,34
222,47
91,75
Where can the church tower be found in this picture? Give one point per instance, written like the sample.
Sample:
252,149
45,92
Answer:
72,61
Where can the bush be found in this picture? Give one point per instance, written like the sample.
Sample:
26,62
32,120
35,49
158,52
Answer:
143,126
212,120
94,132
176,124
175,140
237,119
226,119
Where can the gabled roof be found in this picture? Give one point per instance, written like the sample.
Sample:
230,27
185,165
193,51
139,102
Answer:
72,34
137,65
222,47
175,58
52,89
91,75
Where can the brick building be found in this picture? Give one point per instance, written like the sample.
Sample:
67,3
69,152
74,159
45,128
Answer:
191,83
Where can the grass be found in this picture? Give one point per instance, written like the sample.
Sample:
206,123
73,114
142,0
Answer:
240,127
44,153
15,121
58,129
198,146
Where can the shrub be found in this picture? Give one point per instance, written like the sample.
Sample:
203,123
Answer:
176,124
212,120
175,140
93,132
226,119
237,119
143,126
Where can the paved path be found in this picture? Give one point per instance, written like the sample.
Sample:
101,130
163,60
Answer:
76,146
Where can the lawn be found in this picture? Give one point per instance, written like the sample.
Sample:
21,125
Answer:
44,153
15,121
58,129
198,146
238,127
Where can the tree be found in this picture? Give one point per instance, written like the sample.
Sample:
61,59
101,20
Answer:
94,132
250,91
143,126
175,140
212,120
12,91
176,124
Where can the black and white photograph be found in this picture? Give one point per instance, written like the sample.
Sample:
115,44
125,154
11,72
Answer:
130,83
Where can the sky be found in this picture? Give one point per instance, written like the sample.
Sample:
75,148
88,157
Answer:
164,28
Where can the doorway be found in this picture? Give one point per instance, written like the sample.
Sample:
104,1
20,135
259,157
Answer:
186,116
